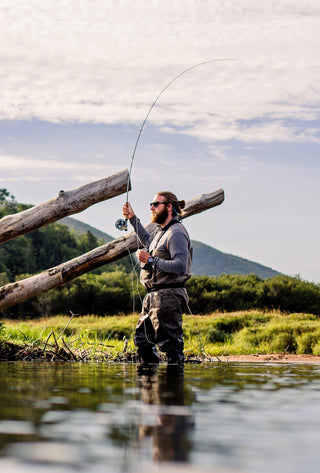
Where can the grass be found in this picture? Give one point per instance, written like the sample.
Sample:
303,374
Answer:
111,338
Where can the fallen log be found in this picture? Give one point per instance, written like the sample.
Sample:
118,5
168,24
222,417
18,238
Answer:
66,203
19,291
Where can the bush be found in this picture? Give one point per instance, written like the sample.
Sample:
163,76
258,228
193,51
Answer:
101,294
285,342
291,295
217,336
111,293
246,292
307,342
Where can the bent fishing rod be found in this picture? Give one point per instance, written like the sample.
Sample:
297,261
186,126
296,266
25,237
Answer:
122,224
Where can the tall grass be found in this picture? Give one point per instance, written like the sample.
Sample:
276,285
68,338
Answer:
217,334
251,332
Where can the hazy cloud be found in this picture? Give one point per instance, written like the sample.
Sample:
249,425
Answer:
94,61
39,169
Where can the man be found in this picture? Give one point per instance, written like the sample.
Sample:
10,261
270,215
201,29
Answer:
165,267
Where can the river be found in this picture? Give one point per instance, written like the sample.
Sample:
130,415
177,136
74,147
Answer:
120,418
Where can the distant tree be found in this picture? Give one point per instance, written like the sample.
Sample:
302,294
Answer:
4,194
53,245
86,242
17,257
8,204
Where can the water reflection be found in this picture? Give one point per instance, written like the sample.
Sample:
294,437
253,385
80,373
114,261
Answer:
118,418
92,416
169,428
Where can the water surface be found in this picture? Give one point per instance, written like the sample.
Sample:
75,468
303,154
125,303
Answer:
223,417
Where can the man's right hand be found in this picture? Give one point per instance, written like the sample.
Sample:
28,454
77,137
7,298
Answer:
127,211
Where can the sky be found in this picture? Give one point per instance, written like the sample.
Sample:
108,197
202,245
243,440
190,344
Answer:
78,78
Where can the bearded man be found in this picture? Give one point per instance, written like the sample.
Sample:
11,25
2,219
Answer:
165,267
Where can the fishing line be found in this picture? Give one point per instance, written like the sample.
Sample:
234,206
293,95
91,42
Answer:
133,273
122,224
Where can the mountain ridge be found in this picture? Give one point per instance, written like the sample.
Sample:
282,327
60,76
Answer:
207,261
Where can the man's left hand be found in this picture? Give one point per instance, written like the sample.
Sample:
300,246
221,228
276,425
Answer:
143,256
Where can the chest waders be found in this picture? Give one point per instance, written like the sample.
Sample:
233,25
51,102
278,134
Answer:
160,322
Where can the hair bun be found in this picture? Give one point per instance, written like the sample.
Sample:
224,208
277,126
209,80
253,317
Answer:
182,204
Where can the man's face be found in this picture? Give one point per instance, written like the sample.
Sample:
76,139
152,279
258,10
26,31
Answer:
159,211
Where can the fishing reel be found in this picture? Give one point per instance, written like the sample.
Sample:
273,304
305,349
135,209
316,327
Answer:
121,224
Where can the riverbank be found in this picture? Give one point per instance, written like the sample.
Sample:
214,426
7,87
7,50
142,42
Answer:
14,352
248,336
272,358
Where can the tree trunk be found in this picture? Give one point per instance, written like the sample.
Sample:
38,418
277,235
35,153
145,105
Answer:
66,203
19,291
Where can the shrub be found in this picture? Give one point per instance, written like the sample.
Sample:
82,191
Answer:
111,293
285,342
246,292
217,336
291,295
307,342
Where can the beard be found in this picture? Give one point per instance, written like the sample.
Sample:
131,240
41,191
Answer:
160,217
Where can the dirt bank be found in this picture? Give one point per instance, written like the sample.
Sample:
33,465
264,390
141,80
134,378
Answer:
271,358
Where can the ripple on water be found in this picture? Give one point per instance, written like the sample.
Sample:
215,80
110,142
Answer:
249,418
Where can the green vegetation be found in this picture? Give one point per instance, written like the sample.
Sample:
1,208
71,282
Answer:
65,338
111,338
118,292
243,292
243,333
107,293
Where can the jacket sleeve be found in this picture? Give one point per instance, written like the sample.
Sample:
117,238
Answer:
144,236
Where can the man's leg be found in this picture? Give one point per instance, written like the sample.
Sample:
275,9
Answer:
167,307
174,351
146,350
144,338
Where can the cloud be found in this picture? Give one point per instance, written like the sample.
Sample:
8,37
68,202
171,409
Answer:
11,166
105,62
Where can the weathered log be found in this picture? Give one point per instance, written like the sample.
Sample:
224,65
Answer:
203,202
19,291
66,203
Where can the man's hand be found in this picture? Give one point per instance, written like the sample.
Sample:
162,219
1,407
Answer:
143,256
127,211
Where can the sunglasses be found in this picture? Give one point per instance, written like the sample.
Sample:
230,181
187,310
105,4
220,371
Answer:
155,204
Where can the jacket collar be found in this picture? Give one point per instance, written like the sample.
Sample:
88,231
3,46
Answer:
172,222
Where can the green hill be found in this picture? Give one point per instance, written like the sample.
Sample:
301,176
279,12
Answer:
80,228
211,262
206,260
